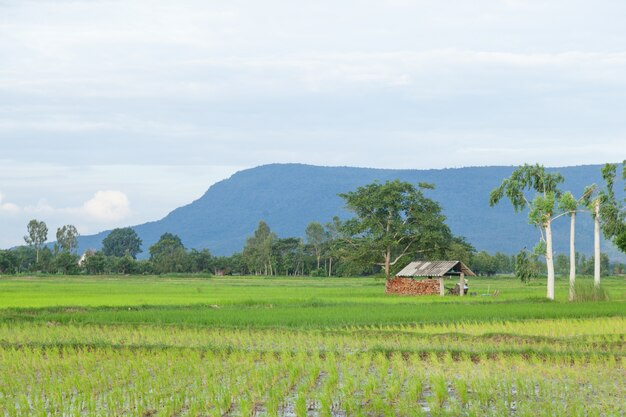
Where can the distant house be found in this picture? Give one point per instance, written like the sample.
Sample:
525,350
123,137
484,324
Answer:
434,273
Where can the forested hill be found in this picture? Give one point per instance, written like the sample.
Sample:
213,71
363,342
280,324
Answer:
289,196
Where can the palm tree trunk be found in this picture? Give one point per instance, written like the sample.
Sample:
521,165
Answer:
549,260
572,257
596,245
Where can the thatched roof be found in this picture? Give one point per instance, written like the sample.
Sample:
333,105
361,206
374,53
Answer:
435,269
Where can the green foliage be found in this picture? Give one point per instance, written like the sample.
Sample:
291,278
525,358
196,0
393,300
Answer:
126,265
8,262
168,254
525,269
460,250
227,265
613,211
567,202
326,254
394,221
320,272
484,264
539,249
542,208
504,263
526,178
121,242
45,263
25,258
316,237
561,264
66,263
585,266
258,250
67,238
37,235
288,256
200,261
95,263
620,241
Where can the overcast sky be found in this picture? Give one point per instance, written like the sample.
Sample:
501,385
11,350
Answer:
113,113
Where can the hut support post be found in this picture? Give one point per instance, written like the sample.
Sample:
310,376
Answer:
462,284
441,288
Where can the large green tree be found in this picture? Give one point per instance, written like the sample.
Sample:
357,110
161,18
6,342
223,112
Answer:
542,206
460,250
258,250
121,242
168,254
200,261
607,212
67,238
66,263
335,243
394,221
8,262
37,235
317,237
613,212
289,255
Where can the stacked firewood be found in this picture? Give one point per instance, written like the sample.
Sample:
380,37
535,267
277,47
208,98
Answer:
410,286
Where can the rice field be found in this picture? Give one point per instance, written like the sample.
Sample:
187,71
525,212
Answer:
238,347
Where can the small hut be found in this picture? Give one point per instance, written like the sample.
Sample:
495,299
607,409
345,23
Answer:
434,273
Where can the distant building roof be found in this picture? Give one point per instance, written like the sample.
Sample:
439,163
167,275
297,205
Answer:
435,269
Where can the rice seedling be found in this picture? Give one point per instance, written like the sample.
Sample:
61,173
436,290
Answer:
440,389
301,407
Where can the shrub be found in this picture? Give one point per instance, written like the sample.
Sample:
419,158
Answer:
320,272
524,267
587,291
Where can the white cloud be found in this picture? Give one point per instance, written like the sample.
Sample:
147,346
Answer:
58,194
105,207
8,208
108,206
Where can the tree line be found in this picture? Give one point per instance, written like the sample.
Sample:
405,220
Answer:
321,253
393,223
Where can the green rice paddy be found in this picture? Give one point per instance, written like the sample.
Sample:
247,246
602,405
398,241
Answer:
194,346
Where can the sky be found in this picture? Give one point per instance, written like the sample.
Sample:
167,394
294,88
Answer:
113,113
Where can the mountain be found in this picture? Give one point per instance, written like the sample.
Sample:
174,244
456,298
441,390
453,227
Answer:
289,196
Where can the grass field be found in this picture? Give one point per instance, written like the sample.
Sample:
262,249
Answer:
185,346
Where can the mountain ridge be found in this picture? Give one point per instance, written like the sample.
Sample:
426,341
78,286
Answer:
289,196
